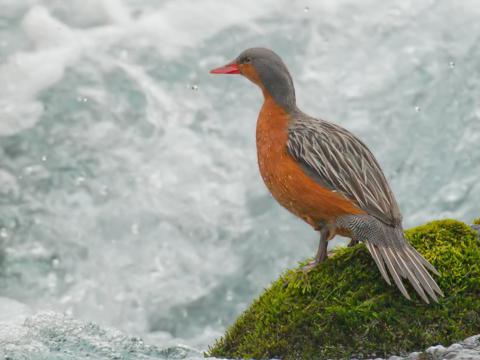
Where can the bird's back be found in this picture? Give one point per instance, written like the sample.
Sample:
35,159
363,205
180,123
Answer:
341,162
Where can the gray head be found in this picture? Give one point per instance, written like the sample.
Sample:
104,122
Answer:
266,69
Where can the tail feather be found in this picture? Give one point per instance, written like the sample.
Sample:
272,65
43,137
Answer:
394,269
402,262
379,261
413,278
423,273
393,255
422,260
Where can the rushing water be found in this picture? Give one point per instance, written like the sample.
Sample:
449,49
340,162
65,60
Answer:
130,202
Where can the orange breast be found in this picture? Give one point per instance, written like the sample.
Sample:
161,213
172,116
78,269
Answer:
284,177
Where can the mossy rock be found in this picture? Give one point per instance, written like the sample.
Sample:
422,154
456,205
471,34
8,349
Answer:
344,308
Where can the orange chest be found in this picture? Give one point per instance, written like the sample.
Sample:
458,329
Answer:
272,137
285,178
280,172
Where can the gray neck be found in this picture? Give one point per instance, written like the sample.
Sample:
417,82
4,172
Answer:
278,83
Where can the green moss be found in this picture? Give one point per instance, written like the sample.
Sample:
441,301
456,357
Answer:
476,221
344,308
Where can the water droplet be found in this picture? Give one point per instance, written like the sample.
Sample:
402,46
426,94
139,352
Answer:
55,263
417,108
3,233
44,158
194,87
79,180
124,54
52,281
452,64
306,9
104,190
82,99
134,229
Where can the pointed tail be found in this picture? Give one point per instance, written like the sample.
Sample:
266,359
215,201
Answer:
394,256
406,262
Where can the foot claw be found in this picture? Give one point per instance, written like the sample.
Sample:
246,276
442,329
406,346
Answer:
312,264
309,267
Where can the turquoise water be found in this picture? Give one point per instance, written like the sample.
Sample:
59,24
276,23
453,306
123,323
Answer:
130,203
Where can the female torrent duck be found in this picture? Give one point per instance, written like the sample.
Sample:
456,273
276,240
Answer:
326,176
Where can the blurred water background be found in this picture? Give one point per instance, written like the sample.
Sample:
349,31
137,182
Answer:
130,201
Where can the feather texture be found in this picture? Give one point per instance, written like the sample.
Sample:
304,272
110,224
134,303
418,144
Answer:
340,162
391,251
337,160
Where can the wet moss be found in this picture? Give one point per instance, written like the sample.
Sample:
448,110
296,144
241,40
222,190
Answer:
344,308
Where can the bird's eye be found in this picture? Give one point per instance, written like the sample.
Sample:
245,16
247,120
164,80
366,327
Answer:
247,60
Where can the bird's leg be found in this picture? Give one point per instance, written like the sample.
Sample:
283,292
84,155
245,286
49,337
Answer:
322,250
322,246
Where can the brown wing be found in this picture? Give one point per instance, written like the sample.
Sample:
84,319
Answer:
341,162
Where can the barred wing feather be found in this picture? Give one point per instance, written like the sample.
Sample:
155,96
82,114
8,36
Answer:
341,162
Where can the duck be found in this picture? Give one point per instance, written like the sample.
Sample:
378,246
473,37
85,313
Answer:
328,177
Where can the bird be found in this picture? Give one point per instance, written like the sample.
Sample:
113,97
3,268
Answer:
328,177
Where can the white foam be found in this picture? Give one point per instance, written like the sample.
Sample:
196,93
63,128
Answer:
181,24
12,311
26,74
173,28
